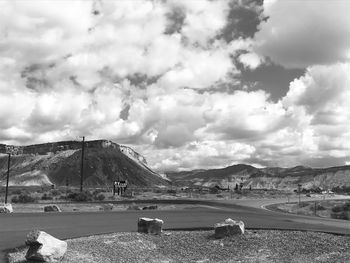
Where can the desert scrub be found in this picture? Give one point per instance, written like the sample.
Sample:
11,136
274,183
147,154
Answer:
23,198
45,196
341,211
100,197
80,197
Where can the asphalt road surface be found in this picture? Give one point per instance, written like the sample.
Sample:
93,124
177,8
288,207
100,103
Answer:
14,227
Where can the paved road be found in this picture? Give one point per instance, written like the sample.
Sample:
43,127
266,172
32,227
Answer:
14,227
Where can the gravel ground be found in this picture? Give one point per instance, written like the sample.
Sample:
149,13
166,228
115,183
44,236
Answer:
201,246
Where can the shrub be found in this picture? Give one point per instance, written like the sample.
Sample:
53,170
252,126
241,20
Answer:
17,192
157,191
303,204
99,197
346,206
46,197
320,207
14,199
341,215
171,191
80,197
213,190
97,191
337,209
55,192
23,198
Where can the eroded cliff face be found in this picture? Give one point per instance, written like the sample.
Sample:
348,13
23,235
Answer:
59,163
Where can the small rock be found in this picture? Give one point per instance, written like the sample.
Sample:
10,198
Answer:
107,207
44,247
52,208
150,226
6,208
228,228
151,207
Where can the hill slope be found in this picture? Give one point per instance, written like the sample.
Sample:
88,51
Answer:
60,162
267,178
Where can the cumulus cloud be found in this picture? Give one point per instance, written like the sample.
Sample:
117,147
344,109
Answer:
298,34
250,60
150,74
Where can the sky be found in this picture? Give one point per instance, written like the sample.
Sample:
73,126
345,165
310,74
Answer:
187,83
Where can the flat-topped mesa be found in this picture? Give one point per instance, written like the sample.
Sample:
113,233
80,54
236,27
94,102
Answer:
45,148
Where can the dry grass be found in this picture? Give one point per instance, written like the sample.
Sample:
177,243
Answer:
323,208
200,246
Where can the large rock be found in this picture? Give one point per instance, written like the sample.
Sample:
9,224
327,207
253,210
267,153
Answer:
150,226
6,208
228,228
52,208
44,247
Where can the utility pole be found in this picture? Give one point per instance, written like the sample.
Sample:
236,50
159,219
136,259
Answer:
299,188
8,176
82,165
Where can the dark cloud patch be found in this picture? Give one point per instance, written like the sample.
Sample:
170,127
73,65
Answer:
142,80
35,76
272,78
243,19
176,19
173,136
107,74
74,80
124,114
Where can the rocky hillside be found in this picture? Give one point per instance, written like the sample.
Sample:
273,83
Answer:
267,178
59,163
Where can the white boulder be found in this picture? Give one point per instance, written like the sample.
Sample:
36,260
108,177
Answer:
149,225
6,208
229,227
44,247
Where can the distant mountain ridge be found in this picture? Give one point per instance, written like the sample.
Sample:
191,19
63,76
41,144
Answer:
59,163
267,178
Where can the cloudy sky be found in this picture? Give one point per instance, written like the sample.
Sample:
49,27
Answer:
188,84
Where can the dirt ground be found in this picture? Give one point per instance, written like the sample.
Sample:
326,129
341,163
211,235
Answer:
200,246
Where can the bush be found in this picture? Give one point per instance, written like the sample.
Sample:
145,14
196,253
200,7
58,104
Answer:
213,190
55,192
99,197
337,209
157,191
303,204
346,206
320,207
23,198
80,197
171,191
341,215
46,197
97,191
14,199
17,192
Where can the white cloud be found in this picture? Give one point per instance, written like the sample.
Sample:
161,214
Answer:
304,33
250,60
120,75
